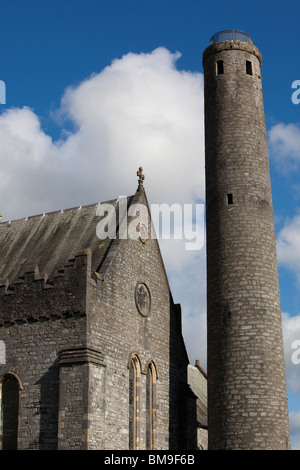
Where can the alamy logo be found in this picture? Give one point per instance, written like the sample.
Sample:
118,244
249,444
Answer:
296,354
2,353
2,92
172,222
296,94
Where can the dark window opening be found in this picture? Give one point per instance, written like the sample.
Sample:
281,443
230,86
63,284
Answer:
132,406
220,67
10,412
248,67
151,407
229,199
134,403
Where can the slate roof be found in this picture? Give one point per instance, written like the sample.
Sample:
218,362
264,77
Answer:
197,380
48,241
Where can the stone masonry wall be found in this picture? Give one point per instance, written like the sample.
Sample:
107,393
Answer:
37,321
118,329
70,340
247,404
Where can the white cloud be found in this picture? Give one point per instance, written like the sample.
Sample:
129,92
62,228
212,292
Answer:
295,422
139,111
291,337
187,276
295,430
284,145
288,249
288,245
295,443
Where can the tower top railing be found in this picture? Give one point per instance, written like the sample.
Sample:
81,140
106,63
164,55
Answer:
231,35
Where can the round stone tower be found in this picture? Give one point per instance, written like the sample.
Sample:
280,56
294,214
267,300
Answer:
247,400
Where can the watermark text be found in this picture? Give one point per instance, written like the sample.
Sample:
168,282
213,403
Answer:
2,92
296,94
176,221
296,353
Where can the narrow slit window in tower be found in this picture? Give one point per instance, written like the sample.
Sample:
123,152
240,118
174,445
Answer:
220,67
248,67
229,199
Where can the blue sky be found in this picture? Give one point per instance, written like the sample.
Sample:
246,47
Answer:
105,51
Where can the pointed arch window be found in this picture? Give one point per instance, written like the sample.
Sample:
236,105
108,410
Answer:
134,402
10,386
151,406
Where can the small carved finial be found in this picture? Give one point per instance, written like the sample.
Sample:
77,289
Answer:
141,178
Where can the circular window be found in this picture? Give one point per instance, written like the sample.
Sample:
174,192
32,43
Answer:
142,299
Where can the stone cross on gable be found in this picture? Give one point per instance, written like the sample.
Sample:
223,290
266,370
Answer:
141,177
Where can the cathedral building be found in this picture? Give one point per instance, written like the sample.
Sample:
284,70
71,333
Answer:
94,353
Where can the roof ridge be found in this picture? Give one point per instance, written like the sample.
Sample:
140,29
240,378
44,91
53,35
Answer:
58,211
